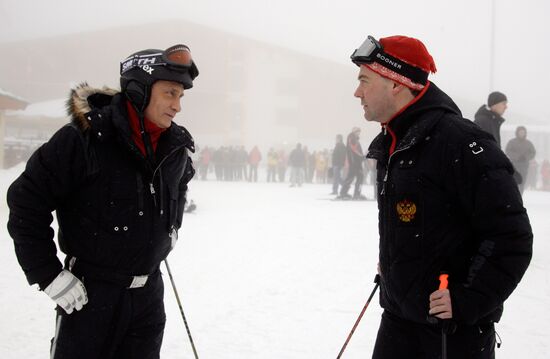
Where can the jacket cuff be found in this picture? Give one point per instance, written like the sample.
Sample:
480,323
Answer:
43,276
469,306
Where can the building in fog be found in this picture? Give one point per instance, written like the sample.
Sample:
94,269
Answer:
8,102
26,129
248,92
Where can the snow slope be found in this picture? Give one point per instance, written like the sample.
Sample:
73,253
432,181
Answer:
268,271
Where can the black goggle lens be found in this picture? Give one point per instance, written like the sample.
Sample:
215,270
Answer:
367,51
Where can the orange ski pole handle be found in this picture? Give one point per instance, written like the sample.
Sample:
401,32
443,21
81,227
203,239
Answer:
444,284
443,281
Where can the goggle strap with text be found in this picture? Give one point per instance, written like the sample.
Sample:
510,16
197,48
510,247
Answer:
417,75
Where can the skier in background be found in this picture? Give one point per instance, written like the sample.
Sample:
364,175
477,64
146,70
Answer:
297,164
338,162
254,159
272,160
489,117
520,151
355,158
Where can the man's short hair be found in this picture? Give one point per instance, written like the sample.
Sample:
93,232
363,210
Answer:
496,97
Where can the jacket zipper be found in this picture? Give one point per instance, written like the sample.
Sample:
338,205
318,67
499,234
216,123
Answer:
387,288
386,175
151,185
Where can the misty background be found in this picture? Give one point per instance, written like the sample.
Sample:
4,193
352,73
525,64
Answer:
286,281
272,73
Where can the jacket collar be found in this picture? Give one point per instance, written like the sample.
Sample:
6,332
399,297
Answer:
102,111
485,112
413,123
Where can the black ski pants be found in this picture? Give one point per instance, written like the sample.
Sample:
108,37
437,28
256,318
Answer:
354,172
401,339
116,323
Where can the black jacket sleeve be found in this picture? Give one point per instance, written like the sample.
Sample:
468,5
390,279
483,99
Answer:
501,233
188,174
51,175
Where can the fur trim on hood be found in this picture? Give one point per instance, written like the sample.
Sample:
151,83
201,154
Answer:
79,102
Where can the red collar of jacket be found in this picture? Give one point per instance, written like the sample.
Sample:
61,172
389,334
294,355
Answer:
386,126
153,130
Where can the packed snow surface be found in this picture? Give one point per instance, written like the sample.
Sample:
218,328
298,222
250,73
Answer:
268,271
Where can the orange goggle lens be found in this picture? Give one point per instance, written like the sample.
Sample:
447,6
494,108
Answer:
179,55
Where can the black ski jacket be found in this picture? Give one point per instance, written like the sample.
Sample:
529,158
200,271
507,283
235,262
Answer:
297,158
447,202
115,210
339,155
489,122
520,151
355,155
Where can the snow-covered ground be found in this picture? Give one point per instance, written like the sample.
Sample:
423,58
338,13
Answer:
268,271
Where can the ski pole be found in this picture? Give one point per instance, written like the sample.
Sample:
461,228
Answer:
443,284
181,308
377,281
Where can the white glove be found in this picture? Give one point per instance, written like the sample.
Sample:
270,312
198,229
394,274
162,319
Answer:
67,291
173,237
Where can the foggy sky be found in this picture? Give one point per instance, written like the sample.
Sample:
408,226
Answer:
457,33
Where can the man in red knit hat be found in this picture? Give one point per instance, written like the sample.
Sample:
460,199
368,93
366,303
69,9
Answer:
448,203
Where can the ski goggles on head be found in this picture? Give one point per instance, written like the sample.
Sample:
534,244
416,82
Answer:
175,58
366,53
372,52
178,55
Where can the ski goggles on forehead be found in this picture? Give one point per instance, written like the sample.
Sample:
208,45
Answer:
178,55
366,53
177,58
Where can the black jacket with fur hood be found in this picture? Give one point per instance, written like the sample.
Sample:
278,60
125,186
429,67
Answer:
114,209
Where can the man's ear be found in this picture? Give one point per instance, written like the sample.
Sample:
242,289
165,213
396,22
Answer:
397,88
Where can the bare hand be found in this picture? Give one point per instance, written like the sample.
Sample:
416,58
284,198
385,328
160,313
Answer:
440,304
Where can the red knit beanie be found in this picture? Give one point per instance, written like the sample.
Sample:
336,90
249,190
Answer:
409,50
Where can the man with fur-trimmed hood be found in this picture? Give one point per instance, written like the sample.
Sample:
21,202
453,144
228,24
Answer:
116,176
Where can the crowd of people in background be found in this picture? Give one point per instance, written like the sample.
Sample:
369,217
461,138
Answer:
345,164
332,166
342,166
296,166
